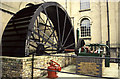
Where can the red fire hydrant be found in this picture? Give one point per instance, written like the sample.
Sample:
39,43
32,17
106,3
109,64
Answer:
52,68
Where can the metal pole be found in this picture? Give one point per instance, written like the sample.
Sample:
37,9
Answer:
108,27
32,66
107,61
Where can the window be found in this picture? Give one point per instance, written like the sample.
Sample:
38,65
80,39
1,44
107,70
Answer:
84,4
85,28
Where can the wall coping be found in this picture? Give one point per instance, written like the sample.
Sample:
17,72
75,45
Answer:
31,56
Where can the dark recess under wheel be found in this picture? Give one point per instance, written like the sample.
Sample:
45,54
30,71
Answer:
43,28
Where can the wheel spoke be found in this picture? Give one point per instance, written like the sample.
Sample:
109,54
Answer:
34,40
50,50
42,37
46,36
41,19
69,45
38,27
32,36
44,25
54,33
58,25
49,22
32,45
46,45
42,44
45,29
67,36
50,36
64,28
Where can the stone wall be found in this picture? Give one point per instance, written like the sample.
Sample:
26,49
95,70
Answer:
21,67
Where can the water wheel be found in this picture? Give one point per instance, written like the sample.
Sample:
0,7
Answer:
44,29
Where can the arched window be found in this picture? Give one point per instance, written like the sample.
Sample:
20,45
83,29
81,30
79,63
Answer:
84,4
85,28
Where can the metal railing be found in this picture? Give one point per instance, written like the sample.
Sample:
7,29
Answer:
79,61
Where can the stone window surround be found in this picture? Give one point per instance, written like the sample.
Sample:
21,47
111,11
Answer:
79,23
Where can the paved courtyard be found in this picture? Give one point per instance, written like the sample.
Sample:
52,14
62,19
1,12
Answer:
111,71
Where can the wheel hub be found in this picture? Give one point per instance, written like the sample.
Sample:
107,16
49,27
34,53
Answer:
40,49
